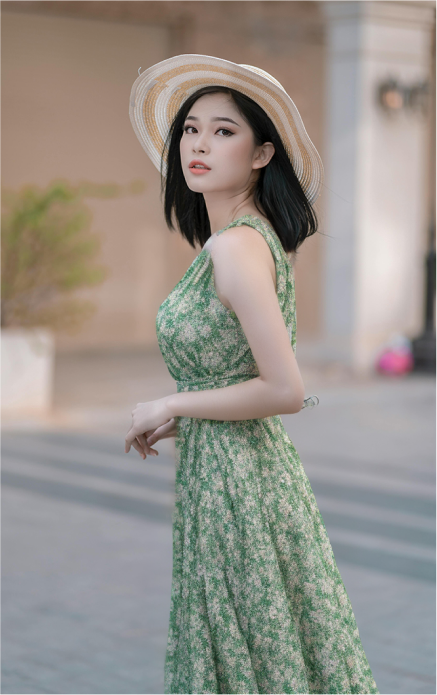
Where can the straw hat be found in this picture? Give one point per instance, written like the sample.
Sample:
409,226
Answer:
159,92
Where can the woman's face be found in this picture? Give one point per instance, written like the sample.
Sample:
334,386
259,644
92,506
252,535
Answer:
216,134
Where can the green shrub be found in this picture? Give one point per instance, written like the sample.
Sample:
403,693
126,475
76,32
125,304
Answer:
48,252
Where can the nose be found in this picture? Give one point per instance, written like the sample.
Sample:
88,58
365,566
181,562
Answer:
200,145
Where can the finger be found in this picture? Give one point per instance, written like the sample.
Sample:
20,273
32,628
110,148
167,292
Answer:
139,448
161,431
155,438
152,434
128,440
142,442
147,449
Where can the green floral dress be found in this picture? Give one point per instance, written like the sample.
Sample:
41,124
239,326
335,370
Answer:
257,603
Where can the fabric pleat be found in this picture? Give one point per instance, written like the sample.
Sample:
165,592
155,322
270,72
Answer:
258,604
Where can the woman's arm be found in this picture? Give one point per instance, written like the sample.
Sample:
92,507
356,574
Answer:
244,282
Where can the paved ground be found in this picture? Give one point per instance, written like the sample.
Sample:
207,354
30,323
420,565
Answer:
87,537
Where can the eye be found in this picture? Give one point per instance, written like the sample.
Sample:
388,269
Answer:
226,131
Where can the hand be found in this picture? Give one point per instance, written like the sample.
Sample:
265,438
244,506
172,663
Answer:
164,432
146,419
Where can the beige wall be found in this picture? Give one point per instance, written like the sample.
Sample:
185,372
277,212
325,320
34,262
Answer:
66,86
67,71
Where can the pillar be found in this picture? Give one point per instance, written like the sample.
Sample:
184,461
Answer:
376,212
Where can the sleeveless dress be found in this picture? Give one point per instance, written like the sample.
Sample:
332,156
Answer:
257,601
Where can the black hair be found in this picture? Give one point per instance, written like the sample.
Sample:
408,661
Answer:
278,194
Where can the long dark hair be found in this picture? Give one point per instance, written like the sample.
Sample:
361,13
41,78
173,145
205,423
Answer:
278,194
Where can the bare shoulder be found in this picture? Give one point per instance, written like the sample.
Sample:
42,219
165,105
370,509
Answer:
243,266
244,245
242,238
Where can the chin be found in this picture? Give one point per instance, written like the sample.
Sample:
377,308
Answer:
197,186
195,189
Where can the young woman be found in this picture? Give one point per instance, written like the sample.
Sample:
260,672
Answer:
258,604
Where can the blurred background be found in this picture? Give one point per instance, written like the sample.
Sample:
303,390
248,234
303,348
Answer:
87,260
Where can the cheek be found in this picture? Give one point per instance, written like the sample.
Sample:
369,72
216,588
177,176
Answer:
240,153
182,146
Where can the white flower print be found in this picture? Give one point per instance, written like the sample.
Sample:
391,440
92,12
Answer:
257,604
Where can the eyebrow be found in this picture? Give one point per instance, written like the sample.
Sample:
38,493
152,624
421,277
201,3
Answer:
215,118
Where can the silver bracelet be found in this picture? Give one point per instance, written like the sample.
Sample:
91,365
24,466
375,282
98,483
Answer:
310,402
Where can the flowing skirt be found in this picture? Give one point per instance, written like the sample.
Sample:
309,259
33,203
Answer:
257,604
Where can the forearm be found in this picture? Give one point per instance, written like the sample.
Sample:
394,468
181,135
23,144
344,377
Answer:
244,401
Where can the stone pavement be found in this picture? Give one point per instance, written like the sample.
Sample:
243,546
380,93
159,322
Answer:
87,536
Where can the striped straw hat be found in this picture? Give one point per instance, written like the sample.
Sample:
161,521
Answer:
159,92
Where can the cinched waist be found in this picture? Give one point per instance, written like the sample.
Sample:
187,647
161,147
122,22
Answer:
214,382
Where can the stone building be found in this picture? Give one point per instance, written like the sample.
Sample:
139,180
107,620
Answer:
67,71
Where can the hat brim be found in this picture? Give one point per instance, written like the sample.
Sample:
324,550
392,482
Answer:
159,92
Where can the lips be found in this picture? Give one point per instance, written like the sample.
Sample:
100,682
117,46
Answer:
199,168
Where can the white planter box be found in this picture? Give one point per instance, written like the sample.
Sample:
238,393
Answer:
27,370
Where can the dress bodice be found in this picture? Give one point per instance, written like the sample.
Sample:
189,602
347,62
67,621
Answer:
201,340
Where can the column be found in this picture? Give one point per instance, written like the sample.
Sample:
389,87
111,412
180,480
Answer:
376,212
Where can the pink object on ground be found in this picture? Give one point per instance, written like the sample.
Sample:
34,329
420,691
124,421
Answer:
395,362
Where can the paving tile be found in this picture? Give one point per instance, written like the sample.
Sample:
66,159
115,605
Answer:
87,544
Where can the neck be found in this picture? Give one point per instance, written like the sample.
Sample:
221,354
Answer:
222,211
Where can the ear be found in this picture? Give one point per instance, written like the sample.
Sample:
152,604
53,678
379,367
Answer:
264,154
